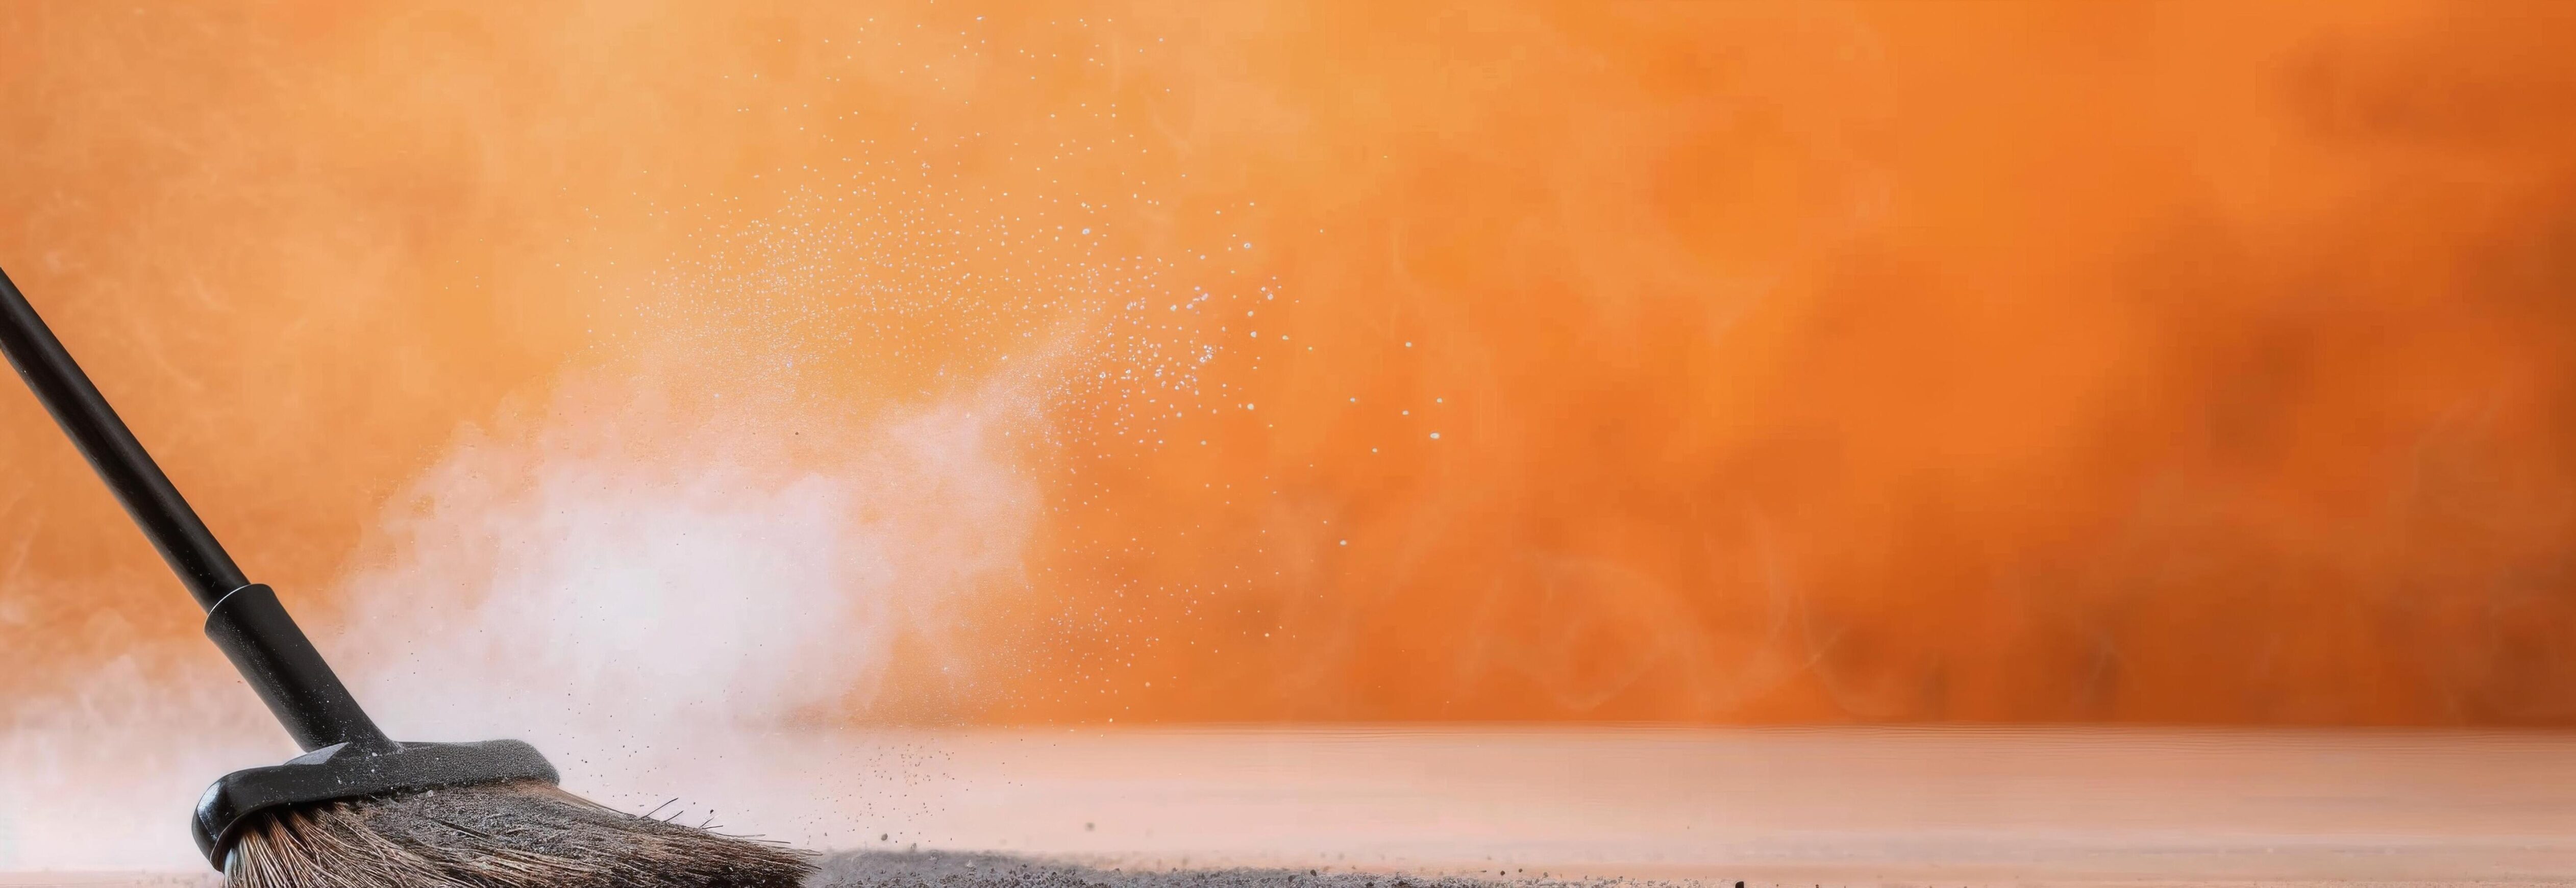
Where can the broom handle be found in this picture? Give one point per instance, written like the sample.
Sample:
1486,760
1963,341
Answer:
242,618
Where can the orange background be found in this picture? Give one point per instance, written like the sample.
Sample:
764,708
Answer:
1792,362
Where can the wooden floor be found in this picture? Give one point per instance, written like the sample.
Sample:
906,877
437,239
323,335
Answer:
1784,807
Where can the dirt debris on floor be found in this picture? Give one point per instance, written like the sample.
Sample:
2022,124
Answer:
950,869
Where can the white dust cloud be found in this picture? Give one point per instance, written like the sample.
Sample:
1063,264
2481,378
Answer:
808,439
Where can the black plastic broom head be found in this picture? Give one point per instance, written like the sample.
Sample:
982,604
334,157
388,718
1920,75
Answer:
342,771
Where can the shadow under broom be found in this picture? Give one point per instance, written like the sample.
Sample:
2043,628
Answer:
359,808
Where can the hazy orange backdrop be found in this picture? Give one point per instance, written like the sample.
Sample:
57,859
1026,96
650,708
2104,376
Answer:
1912,361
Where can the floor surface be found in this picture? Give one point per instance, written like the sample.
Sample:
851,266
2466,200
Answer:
1192,808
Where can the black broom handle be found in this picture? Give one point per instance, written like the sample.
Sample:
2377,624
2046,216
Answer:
242,618
184,541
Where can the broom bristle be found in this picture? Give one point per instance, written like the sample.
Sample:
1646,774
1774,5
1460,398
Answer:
505,835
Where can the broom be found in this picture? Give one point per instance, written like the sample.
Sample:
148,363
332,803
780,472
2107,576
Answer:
359,808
